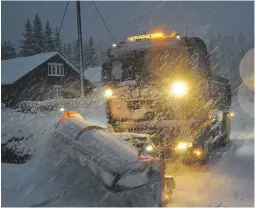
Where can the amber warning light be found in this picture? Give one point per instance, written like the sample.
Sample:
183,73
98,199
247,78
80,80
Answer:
158,35
146,36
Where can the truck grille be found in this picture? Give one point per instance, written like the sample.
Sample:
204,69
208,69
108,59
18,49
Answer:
157,110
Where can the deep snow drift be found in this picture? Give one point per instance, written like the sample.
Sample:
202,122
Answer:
31,184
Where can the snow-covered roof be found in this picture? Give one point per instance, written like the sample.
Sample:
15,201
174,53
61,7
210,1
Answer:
14,69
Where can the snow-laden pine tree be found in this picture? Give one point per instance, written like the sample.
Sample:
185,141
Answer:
101,50
38,46
241,40
48,40
69,52
213,48
76,54
86,55
64,50
229,51
57,41
92,56
8,50
26,45
236,80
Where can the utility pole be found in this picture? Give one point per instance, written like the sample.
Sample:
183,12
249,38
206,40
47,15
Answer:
78,9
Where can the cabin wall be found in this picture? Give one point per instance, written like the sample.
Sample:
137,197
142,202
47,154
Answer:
37,85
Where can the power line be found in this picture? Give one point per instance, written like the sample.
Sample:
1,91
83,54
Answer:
63,17
103,21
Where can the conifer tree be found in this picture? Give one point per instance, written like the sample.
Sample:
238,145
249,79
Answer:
26,47
8,50
57,41
92,56
48,40
38,46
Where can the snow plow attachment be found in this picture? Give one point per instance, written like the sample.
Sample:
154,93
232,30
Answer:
126,180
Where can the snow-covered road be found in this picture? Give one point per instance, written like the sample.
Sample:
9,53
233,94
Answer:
228,179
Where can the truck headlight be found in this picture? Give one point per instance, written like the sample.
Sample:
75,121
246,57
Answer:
179,89
149,148
108,93
183,145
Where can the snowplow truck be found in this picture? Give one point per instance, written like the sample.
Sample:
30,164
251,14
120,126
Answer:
162,85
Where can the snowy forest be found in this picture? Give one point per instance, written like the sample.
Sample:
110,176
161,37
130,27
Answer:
39,38
226,52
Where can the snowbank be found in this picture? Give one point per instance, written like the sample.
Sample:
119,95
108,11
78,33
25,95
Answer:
54,104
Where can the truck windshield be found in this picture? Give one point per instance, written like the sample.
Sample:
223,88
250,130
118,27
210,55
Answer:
145,64
128,66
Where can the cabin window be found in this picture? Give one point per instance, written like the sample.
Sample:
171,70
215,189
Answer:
56,69
57,90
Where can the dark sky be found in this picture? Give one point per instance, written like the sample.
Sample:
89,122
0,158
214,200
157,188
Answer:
128,18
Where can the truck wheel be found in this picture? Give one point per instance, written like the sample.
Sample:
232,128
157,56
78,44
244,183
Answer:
168,192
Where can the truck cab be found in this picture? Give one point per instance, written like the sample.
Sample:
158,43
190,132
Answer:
162,85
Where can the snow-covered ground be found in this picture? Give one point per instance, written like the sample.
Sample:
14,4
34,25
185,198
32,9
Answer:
228,180
31,184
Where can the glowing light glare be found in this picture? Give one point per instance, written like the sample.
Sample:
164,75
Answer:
247,69
157,35
131,39
183,145
146,36
246,100
149,148
179,89
167,197
198,152
62,109
114,45
231,114
108,93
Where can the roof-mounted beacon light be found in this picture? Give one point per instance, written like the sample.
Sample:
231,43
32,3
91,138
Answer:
151,36
146,36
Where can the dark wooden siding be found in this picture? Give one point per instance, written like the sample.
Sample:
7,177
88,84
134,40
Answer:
37,85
